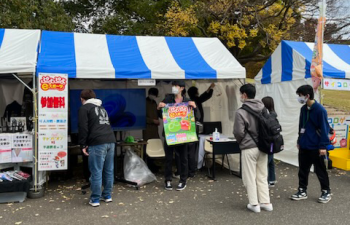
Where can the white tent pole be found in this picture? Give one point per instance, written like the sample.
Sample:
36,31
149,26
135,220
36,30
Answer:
35,117
35,123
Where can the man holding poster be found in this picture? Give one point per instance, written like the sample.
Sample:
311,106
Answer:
179,129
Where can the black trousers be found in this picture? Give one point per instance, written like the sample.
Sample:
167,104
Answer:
182,152
307,158
192,159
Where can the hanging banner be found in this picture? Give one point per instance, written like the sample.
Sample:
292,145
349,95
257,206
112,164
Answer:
179,124
336,84
53,121
340,124
317,54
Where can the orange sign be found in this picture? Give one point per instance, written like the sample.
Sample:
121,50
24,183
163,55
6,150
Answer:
179,111
53,83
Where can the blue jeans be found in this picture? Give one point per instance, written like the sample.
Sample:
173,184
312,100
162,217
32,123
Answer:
101,166
271,169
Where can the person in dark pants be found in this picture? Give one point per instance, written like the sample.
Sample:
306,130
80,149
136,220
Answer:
312,144
152,123
181,149
193,147
271,178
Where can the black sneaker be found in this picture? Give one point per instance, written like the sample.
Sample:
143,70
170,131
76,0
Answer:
181,186
168,186
300,195
325,197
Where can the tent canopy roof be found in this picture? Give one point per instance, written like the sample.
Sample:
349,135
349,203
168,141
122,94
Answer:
136,57
18,50
291,61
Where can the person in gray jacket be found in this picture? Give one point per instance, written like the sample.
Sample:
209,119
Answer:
254,169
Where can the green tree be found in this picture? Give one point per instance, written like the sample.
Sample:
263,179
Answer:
35,14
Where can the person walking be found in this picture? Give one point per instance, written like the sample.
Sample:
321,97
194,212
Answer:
254,169
312,144
97,141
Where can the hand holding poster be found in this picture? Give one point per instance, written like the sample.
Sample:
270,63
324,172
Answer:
179,124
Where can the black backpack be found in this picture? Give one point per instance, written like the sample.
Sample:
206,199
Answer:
270,139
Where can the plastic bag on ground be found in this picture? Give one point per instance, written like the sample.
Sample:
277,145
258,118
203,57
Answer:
136,170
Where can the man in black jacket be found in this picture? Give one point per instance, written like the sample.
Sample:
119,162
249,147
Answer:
199,99
97,140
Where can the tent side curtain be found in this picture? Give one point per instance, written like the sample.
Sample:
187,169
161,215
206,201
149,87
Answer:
136,57
18,50
292,61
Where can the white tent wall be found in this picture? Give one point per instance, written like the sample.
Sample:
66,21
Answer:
221,107
288,109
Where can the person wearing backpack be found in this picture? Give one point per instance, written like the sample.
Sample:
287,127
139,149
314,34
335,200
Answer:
254,161
312,143
270,105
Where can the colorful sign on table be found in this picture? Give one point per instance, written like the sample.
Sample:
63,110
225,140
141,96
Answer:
53,121
336,84
340,124
179,124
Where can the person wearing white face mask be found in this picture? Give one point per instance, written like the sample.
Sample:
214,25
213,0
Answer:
178,87
312,142
254,169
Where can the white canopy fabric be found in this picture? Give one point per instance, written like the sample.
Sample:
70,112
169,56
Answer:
97,56
18,50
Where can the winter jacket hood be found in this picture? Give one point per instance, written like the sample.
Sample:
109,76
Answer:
94,101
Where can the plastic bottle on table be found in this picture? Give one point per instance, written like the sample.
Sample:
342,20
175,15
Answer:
216,135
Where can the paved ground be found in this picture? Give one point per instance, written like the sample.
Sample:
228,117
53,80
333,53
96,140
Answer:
203,202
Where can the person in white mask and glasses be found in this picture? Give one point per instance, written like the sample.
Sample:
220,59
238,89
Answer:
312,144
178,87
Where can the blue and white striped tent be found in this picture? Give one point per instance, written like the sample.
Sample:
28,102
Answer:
99,56
18,50
291,61
287,69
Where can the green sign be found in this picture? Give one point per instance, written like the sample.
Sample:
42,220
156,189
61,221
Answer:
179,124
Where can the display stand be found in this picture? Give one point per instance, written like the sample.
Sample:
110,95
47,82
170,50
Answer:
117,178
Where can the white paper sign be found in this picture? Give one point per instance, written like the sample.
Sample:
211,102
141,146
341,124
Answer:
53,121
5,148
336,84
22,147
146,82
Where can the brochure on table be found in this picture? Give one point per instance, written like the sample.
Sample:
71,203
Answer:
179,124
340,124
53,121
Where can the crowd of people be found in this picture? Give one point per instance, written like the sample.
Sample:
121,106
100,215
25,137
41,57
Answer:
97,140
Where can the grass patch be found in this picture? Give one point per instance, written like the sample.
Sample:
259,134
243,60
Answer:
337,99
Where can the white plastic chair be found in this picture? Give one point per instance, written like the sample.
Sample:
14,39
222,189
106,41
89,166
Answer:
155,148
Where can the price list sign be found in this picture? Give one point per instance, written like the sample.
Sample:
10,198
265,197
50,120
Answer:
53,121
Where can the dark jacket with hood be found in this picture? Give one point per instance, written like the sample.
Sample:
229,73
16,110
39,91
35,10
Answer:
245,121
315,122
94,125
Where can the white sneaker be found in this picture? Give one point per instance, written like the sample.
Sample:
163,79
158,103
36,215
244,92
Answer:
266,207
254,208
94,203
